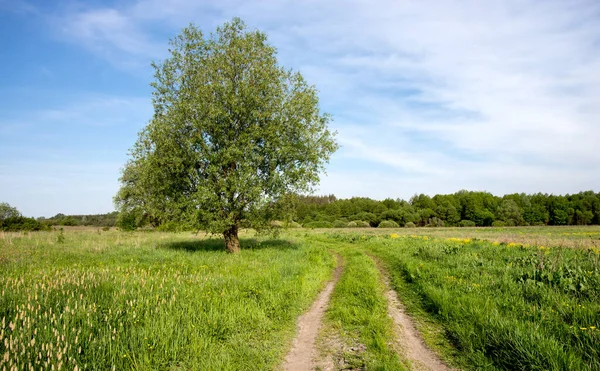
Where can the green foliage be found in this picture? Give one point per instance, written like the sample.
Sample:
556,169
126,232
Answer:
96,220
435,222
152,301
21,223
232,133
318,224
358,224
467,223
388,224
292,224
7,211
127,221
60,237
510,213
506,306
483,208
11,220
340,224
410,225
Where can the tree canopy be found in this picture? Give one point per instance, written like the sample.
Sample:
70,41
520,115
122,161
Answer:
232,133
7,211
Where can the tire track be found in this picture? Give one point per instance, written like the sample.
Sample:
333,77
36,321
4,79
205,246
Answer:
303,353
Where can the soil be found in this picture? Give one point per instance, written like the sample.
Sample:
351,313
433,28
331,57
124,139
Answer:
408,338
303,354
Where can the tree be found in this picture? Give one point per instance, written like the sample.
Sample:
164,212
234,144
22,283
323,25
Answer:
232,132
510,213
7,211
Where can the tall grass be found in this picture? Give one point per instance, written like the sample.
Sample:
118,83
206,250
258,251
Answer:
102,300
504,306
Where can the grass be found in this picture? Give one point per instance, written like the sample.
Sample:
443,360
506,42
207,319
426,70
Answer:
502,306
495,298
101,300
357,315
556,236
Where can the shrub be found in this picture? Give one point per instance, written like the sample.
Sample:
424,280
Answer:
388,224
340,224
318,224
466,223
293,224
435,222
21,223
498,223
60,238
169,227
127,221
276,224
410,225
358,224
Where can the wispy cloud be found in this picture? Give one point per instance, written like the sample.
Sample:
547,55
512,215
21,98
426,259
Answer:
436,95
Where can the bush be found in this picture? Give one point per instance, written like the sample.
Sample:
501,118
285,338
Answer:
127,221
170,227
388,224
276,224
318,224
21,223
435,222
466,223
358,224
498,223
410,225
293,224
340,224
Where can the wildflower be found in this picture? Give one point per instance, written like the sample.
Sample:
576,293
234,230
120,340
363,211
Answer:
394,235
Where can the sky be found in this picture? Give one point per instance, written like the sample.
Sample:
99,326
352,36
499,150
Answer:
429,96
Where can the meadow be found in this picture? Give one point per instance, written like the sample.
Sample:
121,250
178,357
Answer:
483,298
102,300
499,305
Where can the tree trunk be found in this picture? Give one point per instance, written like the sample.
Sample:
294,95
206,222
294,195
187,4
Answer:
232,242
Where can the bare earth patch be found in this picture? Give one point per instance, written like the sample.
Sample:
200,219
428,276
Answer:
407,336
303,354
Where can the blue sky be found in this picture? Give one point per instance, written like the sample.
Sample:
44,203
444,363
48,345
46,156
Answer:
427,96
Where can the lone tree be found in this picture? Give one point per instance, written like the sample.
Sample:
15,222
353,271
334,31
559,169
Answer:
233,132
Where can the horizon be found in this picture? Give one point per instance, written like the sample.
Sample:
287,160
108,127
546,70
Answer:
427,98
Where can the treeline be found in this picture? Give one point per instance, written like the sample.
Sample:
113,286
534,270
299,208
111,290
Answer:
12,220
463,208
97,220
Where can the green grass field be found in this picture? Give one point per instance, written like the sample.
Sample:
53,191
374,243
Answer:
152,301
483,298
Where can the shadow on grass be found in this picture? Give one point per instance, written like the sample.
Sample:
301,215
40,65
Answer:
218,244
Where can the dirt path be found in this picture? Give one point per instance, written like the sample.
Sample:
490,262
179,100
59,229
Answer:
407,336
303,353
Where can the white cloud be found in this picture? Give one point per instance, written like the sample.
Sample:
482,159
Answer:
501,94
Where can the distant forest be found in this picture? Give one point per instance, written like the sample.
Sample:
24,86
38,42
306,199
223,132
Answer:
463,209
97,220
